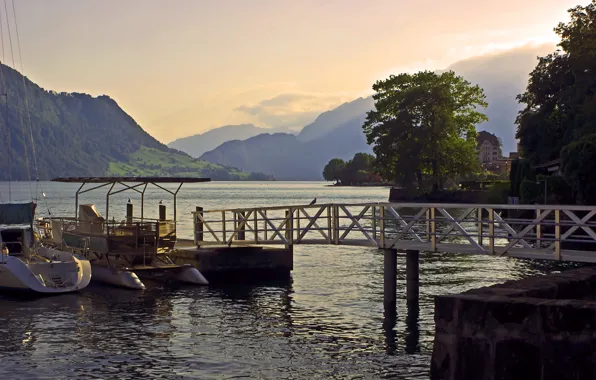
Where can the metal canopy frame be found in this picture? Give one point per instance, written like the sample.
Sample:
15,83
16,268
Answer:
140,182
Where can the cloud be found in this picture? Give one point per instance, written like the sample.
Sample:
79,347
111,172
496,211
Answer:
292,110
503,75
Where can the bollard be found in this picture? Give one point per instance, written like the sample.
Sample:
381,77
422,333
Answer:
129,213
162,212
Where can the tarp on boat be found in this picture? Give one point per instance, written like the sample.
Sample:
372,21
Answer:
17,213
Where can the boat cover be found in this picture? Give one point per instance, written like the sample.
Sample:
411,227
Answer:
17,213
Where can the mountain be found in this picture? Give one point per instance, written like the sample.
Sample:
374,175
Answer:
286,157
76,134
503,76
328,121
198,144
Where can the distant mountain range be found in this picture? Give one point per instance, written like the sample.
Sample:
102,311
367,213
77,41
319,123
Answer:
336,133
76,134
198,144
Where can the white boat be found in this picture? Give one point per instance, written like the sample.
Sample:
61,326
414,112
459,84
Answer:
26,265
123,253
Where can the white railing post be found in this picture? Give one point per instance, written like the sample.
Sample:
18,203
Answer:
557,234
491,230
480,227
538,230
329,224
433,229
382,225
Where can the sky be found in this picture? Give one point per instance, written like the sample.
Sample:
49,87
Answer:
183,67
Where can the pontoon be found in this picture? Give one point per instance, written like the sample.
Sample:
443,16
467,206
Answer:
128,252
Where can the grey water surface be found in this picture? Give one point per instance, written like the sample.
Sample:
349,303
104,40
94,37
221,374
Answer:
326,322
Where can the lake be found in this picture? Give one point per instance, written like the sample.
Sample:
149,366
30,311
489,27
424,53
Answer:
326,322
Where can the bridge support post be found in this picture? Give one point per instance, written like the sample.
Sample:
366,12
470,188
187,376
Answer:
412,277
241,227
390,281
199,228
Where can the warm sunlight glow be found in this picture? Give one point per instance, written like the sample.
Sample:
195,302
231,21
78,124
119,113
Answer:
189,66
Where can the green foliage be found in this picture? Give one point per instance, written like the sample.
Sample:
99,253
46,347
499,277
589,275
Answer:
78,135
531,192
155,162
334,169
557,190
578,160
358,170
521,169
513,179
560,106
498,192
423,128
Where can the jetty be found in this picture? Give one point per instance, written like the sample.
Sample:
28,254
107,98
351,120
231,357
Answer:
516,330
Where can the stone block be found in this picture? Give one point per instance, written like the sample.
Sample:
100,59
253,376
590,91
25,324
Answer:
569,316
445,308
517,360
511,310
473,359
569,359
440,365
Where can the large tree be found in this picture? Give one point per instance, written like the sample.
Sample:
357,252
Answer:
423,127
560,102
334,169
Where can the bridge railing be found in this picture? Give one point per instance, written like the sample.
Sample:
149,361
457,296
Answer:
530,231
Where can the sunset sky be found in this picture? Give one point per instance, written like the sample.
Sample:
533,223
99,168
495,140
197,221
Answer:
182,67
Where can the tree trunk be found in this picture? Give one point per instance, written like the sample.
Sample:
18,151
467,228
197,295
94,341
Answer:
435,175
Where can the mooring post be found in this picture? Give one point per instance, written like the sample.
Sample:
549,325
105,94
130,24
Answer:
162,212
412,277
129,213
198,225
390,280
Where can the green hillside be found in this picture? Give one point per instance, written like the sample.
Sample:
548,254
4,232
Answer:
155,162
76,134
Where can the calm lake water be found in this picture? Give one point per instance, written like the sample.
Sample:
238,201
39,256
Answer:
326,322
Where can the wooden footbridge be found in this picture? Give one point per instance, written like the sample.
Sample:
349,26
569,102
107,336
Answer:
551,232
564,233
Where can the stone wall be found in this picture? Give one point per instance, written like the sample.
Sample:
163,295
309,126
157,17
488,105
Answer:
541,328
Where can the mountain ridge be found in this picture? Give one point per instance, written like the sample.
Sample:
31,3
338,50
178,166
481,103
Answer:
200,143
75,134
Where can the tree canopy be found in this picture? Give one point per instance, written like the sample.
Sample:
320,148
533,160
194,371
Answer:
359,169
560,99
423,128
334,169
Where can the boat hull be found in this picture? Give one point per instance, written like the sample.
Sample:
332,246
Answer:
121,278
46,277
191,275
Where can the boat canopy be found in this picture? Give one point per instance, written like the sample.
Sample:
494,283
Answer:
137,184
109,180
17,213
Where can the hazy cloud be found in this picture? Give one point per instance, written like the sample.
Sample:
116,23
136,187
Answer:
292,110
503,75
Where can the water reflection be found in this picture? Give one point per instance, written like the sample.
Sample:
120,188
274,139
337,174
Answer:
412,328
327,322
